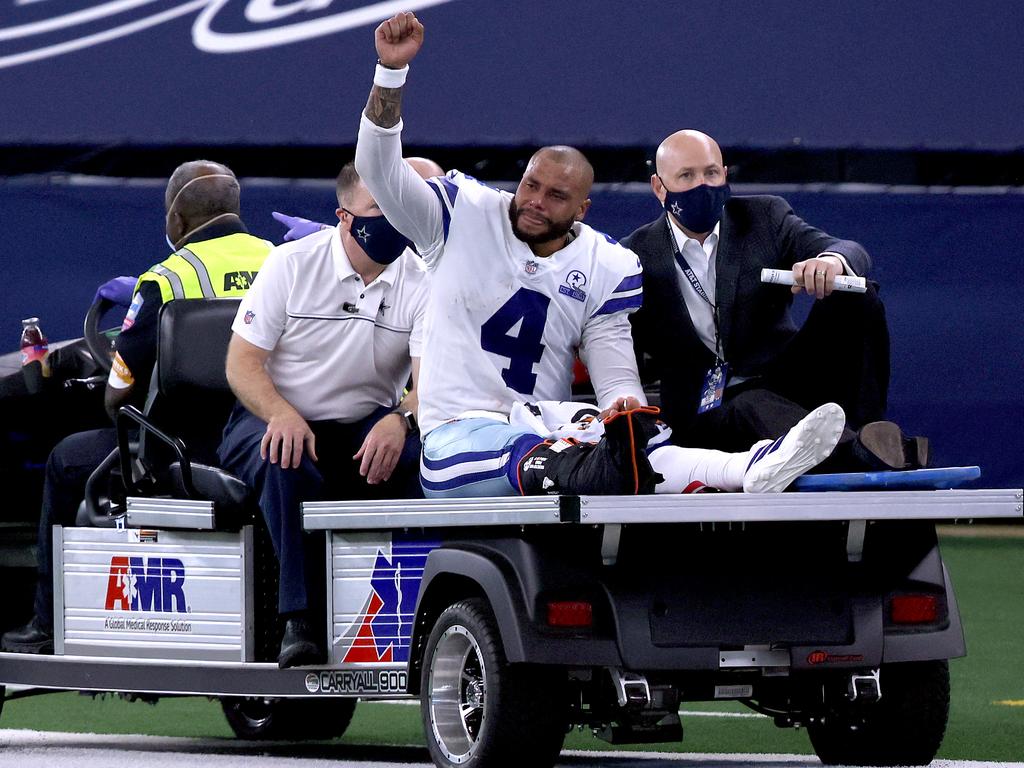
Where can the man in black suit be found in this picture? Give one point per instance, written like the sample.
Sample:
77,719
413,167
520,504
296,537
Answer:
708,321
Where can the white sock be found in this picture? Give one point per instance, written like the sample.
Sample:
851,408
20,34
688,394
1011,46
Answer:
682,466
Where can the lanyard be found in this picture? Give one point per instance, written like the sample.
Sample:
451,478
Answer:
699,289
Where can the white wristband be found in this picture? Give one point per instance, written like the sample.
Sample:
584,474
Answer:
390,78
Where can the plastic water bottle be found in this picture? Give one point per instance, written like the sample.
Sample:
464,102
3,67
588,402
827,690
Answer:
34,345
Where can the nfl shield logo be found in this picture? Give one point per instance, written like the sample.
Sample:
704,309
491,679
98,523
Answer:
531,267
249,317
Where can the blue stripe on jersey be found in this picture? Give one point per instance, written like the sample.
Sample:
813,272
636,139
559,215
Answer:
452,190
618,305
630,283
460,458
460,480
446,215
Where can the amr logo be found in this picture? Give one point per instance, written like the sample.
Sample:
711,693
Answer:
156,585
239,281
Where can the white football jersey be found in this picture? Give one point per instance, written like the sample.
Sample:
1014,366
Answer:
504,325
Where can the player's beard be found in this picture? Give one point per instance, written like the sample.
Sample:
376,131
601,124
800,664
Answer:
556,230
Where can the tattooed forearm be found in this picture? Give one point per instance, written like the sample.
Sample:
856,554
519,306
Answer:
384,107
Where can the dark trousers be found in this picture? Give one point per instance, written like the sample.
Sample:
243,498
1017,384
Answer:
841,355
68,468
281,491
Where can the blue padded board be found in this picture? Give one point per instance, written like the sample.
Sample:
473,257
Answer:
917,479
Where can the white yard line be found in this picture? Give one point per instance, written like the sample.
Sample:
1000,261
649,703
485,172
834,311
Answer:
35,749
760,761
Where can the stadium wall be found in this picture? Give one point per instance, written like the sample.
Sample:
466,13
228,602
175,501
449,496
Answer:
944,258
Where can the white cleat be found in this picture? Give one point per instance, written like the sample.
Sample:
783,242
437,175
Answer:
774,464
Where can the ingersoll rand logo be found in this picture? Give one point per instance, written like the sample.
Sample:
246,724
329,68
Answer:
156,584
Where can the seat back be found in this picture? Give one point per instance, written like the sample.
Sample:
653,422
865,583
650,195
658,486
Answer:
192,345
192,399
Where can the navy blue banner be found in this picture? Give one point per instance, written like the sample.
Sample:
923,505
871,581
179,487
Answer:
817,73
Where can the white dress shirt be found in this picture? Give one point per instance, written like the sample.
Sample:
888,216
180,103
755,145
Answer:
701,259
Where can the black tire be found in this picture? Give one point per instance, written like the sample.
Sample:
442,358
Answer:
478,710
288,719
905,727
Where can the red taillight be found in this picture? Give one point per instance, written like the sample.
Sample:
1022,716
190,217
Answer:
570,613
914,609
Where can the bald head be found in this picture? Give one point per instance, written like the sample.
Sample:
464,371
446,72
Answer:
686,147
202,200
575,166
690,181
425,167
687,159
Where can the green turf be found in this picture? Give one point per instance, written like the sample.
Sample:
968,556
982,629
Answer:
109,714
987,574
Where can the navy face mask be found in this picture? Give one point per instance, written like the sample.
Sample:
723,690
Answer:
697,209
375,235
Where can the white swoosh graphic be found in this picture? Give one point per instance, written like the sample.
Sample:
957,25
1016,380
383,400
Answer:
206,39
269,12
203,36
101,37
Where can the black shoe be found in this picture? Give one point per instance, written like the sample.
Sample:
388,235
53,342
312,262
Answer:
32,638
881,445
918,452
298,646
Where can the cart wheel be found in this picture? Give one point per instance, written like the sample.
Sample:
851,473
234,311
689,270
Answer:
478,710
288,719
905,727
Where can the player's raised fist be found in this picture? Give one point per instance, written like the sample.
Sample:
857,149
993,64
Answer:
398,40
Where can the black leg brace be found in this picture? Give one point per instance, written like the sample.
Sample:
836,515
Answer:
617,464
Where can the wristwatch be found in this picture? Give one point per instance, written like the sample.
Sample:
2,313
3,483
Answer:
409,418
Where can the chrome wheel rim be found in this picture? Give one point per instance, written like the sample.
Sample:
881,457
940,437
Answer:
457,694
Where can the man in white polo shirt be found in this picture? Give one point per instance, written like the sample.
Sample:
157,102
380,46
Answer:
323,345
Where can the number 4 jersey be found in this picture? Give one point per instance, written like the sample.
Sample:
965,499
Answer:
504,325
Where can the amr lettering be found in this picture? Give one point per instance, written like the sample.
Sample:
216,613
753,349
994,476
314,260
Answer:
157,585
239,281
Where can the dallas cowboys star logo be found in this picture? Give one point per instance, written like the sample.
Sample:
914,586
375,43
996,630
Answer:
676,209
576,279
362,234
